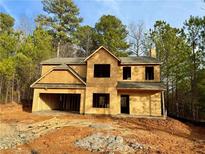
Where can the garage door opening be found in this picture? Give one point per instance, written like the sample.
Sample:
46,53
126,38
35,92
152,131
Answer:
62,102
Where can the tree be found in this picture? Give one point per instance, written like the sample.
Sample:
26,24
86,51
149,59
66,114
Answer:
85,37
112,34
194,29
20,57
8,46
173,52
6,22
7,70
37,46
61,20
136,34
201,91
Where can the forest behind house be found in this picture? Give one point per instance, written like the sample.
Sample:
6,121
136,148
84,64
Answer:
59,33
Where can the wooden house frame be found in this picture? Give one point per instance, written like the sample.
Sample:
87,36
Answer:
101,83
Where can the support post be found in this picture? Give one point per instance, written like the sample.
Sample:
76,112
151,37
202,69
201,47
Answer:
163,104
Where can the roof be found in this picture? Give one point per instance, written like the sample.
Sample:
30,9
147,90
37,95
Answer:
139,60
65,67
80,60
57,85
73,60
101,47
140,85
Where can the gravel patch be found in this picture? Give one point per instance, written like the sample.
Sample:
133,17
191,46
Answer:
12,135
108,143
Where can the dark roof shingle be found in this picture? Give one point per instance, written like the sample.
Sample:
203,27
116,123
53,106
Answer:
80,60
76,60
57,85
139,60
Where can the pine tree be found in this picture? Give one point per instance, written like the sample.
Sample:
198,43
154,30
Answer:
61,20
112,34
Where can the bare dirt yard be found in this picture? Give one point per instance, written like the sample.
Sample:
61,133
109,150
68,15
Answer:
54,132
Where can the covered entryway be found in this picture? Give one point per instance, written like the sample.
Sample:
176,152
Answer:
62,102
125,104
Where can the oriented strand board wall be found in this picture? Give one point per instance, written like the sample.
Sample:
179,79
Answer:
49,103
140,104
80,69
114,103
46,68
102,57
60,76
156,104
102,85
138,73
144,103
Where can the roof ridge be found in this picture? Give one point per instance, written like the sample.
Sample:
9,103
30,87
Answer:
101,47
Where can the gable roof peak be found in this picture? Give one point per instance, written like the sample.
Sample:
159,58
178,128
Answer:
61,67
102,47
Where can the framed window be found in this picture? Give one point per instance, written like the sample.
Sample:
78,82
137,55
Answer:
149,73
126,73
102,70
101,100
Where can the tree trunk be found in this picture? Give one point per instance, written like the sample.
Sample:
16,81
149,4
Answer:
1,86
18,95
58,50
173,104
12,89
193,82
167,95
176,98
7,93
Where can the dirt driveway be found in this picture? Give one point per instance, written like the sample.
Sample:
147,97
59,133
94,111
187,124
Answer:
53,132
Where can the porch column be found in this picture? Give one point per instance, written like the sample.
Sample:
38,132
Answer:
163,105
35,104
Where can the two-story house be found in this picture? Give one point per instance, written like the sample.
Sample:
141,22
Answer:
101,84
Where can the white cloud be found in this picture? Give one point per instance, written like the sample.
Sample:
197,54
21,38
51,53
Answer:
112,5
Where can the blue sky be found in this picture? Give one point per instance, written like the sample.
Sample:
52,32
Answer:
174,12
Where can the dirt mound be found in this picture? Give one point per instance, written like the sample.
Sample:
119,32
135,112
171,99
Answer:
12,106
169,125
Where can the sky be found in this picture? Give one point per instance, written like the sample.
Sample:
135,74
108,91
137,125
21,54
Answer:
175,12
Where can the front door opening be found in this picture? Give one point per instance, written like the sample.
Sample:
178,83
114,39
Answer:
125,104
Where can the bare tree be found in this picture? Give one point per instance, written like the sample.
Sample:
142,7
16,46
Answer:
26,25
70,50
136,37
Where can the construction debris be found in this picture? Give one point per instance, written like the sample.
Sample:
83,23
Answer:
21,134
24,134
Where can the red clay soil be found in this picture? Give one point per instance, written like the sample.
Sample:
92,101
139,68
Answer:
163,136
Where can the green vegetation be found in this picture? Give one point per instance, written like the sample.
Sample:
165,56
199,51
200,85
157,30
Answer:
61,20
111,33
181,50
